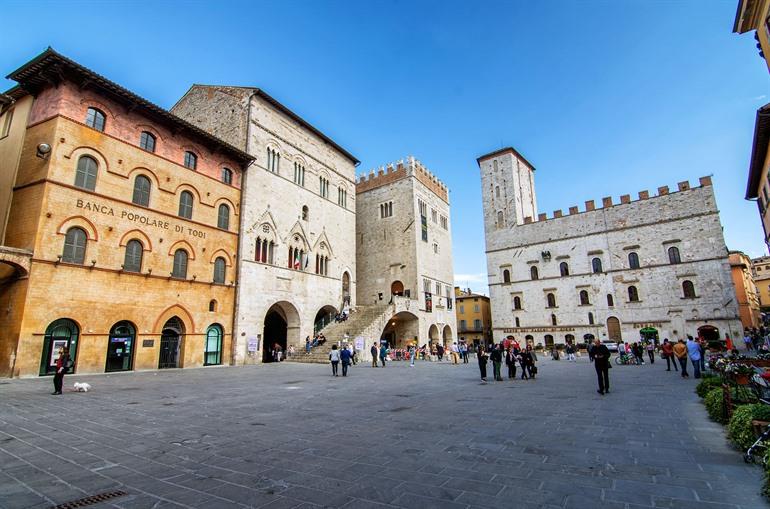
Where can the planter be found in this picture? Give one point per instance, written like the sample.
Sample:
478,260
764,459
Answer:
742,379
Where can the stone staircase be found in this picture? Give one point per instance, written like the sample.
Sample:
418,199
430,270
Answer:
366,321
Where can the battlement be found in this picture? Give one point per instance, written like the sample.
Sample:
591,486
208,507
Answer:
398,170
607,201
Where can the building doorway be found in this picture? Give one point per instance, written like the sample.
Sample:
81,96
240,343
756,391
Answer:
170,343
548,342
613,329
281,329
397,288
401,330
324,317
345,289
212,355
710,334
120,347
60,334
448,337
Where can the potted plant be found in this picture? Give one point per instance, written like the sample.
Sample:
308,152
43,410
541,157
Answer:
740,373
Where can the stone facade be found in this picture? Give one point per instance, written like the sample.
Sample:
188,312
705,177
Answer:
745,289
299,207
112,315
404,252
606,271
760,270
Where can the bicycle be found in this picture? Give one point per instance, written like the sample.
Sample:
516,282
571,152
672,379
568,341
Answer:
624,359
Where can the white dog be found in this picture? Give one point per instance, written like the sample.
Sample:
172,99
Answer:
82,387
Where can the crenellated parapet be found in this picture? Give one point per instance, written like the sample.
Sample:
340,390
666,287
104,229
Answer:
398,170
607,202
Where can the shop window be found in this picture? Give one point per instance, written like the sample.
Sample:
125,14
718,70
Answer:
85,175
74,246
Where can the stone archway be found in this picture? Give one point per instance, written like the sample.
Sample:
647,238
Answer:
324,317
447,336
171,343
402,330
281,329
433,334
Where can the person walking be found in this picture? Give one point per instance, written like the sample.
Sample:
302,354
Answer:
667,351
651,351
680,351
693,350
346,357
464,352
334,357
747,340
497,361
412,355
440,352
523,359
383,354
373,350
455,353
702,345
63,363
482,358
602,366
531,362
571,352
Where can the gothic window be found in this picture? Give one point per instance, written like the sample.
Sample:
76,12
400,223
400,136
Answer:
610,301
596,265
673,255
517,302
186,205
533,273
305,213
584,298
142,187
133,258
265,248
299,174
273,160
633,294
95,118
551,300
500,219
220,270
147,141
506,276
85,175
323,187
633,260
74,246
590,318
190,160
342,197
227,176
688,289
386,209
564,269
553,319
223,217
180,264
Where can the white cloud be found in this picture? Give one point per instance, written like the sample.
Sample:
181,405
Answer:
757,98
470,278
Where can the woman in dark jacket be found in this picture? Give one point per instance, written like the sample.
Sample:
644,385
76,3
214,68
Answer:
525,359
510,361
497,361
482,357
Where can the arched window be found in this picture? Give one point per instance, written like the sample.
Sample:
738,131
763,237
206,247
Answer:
584,298
85,175
223,217
590,318
596,265
180,264
142,187
633,260
305,213
553,319
506,276
133,259
147,141
227,176
213,354
220,268
500,219
610,300
564,269
74,246
673,255
264,249
190,160
633,294
551,300
95,118
688,289
212,305
533,273
517,302
186,205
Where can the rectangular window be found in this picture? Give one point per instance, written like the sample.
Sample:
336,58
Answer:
7,124
424,224
463,327
434,215
426,285
444,223
476,324
342,198
435,248
386,209
423,208
462,310
438,289
475,308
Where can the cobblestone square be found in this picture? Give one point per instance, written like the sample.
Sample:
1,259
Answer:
290,435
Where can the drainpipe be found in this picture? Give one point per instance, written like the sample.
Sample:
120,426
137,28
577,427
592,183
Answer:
239,250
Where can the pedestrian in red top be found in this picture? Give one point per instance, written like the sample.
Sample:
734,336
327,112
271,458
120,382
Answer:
62,364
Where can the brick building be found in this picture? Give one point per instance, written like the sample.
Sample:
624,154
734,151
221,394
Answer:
657,263
119,228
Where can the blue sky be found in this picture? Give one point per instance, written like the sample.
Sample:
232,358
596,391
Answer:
604,97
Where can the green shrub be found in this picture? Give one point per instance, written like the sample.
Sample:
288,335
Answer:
740,431
714,402
707,384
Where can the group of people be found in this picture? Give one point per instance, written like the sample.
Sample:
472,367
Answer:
318,340
341,317
511,352
755,338
681,351
635,351
345,355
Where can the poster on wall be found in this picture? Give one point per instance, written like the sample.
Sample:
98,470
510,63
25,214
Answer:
253,344
359,343
56,346
428,302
